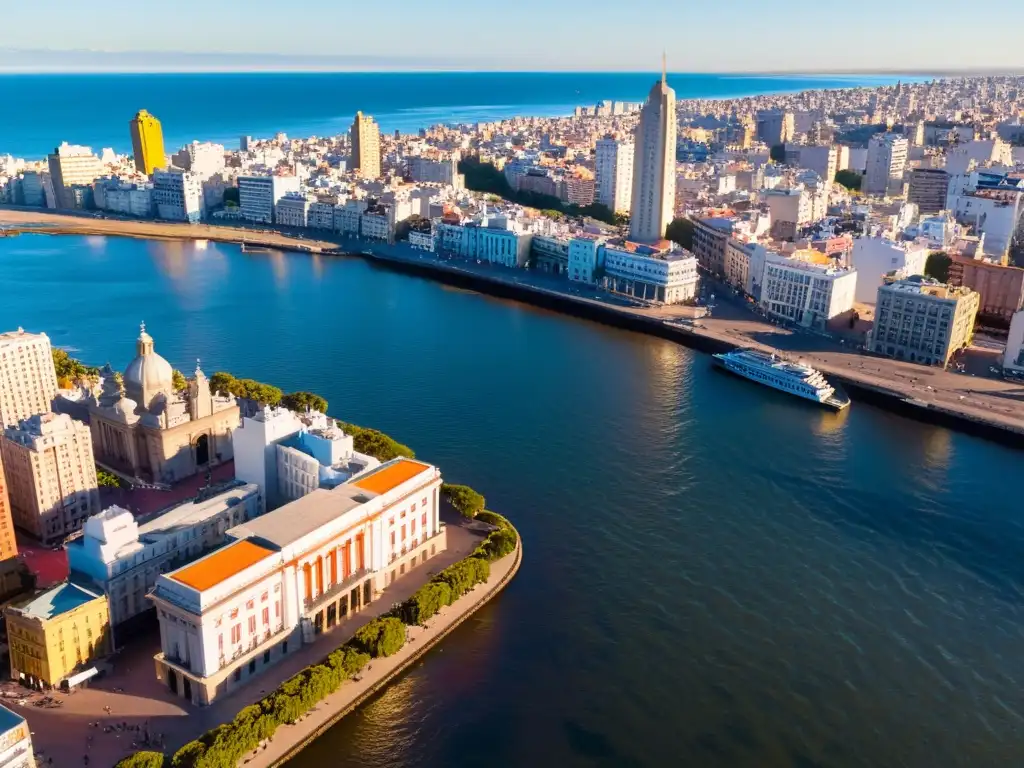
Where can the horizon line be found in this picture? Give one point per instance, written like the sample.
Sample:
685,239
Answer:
199,70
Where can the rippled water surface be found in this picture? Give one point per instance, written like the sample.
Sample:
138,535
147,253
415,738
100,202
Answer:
715,575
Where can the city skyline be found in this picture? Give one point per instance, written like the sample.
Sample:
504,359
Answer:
65,36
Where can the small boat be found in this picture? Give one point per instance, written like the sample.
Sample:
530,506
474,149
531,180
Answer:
774,371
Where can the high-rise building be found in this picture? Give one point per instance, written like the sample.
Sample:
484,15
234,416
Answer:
654,165
147,142
72,166
366,146
28,382
615,174
887,160
258,196
51,475
928,188
774,126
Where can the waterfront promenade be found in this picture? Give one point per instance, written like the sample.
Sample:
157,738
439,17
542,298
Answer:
138,702
990,402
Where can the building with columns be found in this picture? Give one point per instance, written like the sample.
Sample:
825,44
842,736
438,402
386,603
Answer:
292,574
144,427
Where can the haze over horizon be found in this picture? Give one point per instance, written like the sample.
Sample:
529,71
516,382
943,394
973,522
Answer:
600,35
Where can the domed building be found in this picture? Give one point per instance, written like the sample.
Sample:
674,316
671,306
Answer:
144,427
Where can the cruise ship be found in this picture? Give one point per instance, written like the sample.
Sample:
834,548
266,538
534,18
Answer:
773,371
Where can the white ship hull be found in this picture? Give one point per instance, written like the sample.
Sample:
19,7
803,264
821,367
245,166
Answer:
777,374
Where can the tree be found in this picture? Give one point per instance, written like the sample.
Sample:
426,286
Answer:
778,153
620,219
142,760
231,196
680,232
466,501
849,179
381,637
222,383
937,266
376,444
178,381
189,755
300,401
107,479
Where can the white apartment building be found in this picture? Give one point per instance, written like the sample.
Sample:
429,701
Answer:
790,210
72,165
614,177
292,210
258,195
204,159
923,321
422,241
997,215
1013,356
178,195
875,257
126,199
286,577
502,245
432,170
654,166
585,253
320,215
375,224
123,559
651,275
28,382
806,288
823,160
347,217
51,475
886,162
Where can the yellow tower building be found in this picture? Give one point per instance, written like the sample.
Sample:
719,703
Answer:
147,142
57,633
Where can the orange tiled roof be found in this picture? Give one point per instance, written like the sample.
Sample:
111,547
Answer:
390,475
221,565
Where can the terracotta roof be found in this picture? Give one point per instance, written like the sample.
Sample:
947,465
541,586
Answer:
389,476
221,565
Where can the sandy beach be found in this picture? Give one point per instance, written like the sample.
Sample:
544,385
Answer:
19,220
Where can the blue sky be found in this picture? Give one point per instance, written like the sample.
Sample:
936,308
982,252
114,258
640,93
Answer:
603,35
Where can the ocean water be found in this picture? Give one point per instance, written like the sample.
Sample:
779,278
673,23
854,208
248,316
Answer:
716,575
95,109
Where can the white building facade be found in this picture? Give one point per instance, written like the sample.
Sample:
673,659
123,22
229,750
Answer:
806,293
614,177
875,257
291,575
661,278
258,195
178,195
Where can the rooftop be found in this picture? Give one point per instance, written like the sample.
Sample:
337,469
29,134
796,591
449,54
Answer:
57,600
301,517
389,476
221,565
9,720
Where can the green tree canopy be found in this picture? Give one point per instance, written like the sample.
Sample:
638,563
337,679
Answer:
466,501
381,637
142,760
221,383
300,401
680,232
178,380
107,479
937,266
849,179
778,153
373,443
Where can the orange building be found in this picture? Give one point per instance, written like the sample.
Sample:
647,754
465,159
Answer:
1001,287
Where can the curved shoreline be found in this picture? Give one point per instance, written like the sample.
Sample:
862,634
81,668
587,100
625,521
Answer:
268,758
868,389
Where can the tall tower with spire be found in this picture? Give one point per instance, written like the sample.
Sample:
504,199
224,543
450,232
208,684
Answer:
654,164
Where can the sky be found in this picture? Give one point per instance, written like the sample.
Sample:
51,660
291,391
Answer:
921,36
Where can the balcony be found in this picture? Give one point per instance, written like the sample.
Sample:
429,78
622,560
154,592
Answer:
332,593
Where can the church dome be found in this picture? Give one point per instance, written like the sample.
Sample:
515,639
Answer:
148,373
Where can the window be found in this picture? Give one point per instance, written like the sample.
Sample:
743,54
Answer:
236,634
423,520
277,609
266,617
266,657
238,674
252,625
252,667
249,605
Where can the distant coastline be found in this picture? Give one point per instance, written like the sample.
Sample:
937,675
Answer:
221,106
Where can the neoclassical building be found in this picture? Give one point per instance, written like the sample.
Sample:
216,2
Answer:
144,427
